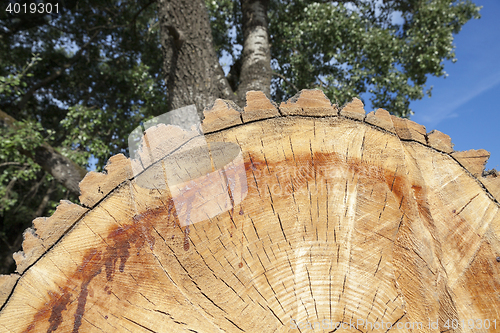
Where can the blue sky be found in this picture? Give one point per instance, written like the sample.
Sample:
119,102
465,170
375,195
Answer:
465,104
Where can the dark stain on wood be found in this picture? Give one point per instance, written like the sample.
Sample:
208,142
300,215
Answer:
90,268
186,238
56,305
122,238
56,313
292,174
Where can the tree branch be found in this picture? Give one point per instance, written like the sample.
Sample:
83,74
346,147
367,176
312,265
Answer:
54,75
286,80
12,163
31,193
65,171
193,74
9,186
256,56
134,19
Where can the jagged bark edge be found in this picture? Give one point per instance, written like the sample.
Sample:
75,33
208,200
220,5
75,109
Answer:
301,105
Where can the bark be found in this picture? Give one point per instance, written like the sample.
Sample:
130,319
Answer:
60,167
192,71
65,171
337,218
256,57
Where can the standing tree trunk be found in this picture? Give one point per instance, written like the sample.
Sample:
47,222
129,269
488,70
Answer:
256,57
191,68
303,217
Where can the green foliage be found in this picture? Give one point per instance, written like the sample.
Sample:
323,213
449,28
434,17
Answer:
352,50
96,75
95,55
381,50
225,21
21,136
21,179
83,79
22,182
11,84
25,136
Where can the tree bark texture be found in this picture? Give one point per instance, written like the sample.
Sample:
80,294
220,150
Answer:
60,167
256,58
191,68
339,218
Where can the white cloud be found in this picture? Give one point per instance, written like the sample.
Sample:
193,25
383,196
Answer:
445,106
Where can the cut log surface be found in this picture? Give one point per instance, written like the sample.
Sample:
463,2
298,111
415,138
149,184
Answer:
301,218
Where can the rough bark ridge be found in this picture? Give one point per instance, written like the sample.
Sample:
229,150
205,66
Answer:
256,57
192,70
340,218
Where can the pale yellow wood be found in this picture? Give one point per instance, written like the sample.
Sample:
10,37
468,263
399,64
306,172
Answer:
409,130
117,171
492,183
258,107
454,214
46,233
381,118
473,160
440,141
223,114
334,221
310,102
354,110
7,283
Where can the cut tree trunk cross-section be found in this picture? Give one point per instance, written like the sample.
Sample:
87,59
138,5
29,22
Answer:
303,217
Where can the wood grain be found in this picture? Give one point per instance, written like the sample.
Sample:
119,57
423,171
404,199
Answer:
335,222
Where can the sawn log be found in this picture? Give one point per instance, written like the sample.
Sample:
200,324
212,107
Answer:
304,216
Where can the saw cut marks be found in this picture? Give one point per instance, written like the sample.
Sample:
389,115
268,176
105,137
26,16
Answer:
298,217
